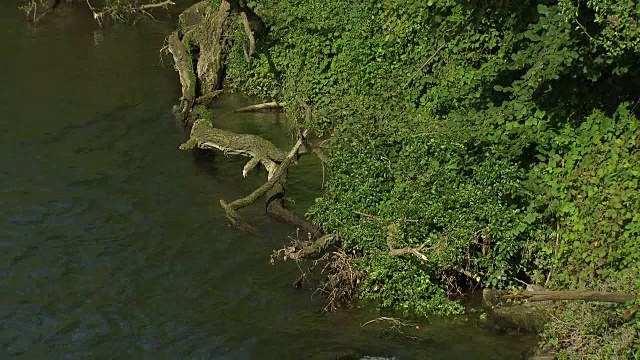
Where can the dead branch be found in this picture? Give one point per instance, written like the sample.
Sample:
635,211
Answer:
342,282
252,39
156,5
118,11
32,7
395,322
311,249
423,65
377,218
263,106
392,230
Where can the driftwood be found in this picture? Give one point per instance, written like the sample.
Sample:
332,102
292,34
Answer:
263,106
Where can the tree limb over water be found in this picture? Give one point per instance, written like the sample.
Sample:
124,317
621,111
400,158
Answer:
261,151
199,59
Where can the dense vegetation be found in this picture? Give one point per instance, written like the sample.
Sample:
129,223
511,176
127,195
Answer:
499,138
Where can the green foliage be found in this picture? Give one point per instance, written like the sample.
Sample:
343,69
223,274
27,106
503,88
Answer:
590,182
500,138
598,330
594,331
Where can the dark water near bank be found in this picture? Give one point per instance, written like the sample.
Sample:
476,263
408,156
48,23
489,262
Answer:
112,242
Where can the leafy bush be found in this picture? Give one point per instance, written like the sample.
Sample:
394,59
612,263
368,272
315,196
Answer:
501,138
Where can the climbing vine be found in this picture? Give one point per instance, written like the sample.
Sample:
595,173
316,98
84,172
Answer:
499,138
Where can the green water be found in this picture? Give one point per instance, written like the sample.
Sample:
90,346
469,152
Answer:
112,242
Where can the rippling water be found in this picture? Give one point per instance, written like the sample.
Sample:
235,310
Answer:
112,243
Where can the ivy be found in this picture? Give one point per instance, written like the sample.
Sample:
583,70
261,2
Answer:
503,136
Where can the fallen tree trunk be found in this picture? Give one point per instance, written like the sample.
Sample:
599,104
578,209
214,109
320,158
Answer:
263,106
572,295
533,314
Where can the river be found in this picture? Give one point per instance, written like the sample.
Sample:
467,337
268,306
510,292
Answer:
112,242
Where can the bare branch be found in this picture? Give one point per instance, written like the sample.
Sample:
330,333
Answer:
424,65
156,5
249,32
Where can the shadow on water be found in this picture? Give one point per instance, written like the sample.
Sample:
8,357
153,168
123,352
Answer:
112,243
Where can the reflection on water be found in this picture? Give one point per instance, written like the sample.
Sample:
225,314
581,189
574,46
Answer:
111,241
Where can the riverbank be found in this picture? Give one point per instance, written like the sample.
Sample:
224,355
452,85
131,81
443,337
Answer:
113,242
468,145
